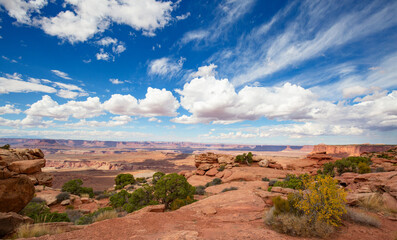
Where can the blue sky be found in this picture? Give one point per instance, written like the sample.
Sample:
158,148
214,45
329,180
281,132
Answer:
229,71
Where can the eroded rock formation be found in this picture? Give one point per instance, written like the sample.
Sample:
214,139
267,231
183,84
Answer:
351,150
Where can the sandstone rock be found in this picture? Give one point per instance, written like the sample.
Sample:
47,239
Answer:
49,198
188,174
208,210
353,198
65,202
200,172
86,200
256,158
205,158
204,167
264,163
15,193
219,174
275,165
227,173
181,235
226,159
10,222
282,190
27,166
212,172
5,173
389,201
43,178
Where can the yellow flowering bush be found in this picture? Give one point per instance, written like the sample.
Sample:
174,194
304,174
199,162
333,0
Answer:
322,200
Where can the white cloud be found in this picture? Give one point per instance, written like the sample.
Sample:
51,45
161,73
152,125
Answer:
46,107
116,81
153,119
27,122
61,74
102,55
115,122
106,41
22,10
9,109
156,103
165,66
8,85
119,48
196,35
89,17
183,16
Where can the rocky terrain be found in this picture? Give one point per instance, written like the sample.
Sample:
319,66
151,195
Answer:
20,171
350,150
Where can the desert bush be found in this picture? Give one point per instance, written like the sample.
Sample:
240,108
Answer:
269,189
157,176
215,181
97,193
383,155
141,180
265,179
298,225
105,215
291,181
373,202
200,190
171,187
73,215
363,168
6,146
62,196
140,198
89,218
361,218
229,189
244,158
123,180
322,200
221,168
75,187
39,212
119,199
349,164
35,230
178,203
71,207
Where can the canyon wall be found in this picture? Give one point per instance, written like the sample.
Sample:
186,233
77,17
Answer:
98,165
350,150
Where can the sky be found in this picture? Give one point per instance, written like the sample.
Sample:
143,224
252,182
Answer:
223,71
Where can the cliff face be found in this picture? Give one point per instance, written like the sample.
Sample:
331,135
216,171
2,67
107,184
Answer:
351,150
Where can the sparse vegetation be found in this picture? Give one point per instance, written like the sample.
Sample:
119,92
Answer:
215,181
119,199
244,158
221,168
73,215
272,182
200,190
123,180
380,169
90,218
6,146
39,212
315,211
373,202
361,218
35,230
291,181
140,198
62,196
37,200
229,189
383,155
265,179
75,187
109,214
269,189
350,164
141,180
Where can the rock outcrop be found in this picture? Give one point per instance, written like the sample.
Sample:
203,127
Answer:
351,150
20,170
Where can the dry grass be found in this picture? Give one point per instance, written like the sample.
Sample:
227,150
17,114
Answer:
362,218
106,215
373,202
293,225
35,230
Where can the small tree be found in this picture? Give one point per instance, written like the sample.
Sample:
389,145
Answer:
7,146
119,199
245,158
140,198
157,176
171,187
123,180
74,187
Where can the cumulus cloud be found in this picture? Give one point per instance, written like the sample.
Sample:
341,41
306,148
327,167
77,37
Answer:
116,121
47,107
165,66
117,47
183,16
156,103
102,55
9,109
61,74
153,119
27,122
22,10
88,17
116,81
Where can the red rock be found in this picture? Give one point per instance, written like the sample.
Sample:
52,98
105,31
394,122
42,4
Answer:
227,173
208,210
219,174
200,172
212,172
204,167
10,222
15,193
27,166
275,165
389,201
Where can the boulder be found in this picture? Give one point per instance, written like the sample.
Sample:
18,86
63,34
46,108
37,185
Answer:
212,172
264,163
282,190
15,193
10,221
5,173
208,210
65,202
226,159
204,167
200,172
219,174
27,166
227,173
275,165
43,178
256,158
205,158
49,198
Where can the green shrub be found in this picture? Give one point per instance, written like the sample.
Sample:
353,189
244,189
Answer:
291,181
171,187
229,189
140,198
178,203
157,176
200,190
265,179
37,200
75,187
141,180
269,189
39,212
244,158
272,182
62,196
363,168
380,169
349,164
221,168
383,155
90,218
102,196
215,181
7,146
123,180
119,199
